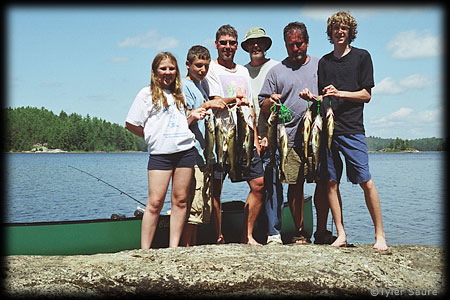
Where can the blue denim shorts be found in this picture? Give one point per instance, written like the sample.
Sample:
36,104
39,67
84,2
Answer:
354,149
183,159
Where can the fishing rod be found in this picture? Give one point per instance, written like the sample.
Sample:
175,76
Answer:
99,179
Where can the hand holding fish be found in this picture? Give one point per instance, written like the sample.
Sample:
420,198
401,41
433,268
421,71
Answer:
216,104
264,143
308,96
241,100
197,114
275,98
330,90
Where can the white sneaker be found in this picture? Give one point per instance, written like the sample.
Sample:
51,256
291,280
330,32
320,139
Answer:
274,240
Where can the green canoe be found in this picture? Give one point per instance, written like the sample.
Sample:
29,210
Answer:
108,235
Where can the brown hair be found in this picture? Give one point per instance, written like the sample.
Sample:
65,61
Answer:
296,26
345,18
226,30
158,96
198,52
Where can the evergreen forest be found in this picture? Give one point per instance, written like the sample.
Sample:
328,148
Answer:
27,126
24,127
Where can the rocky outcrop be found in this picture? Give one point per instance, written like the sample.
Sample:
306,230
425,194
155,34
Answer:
231,270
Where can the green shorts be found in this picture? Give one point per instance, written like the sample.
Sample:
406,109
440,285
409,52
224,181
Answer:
295,168
199,198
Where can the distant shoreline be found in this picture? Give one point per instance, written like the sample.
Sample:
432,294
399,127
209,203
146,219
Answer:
390,150
59,151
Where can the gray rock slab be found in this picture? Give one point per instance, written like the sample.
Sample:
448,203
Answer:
231,270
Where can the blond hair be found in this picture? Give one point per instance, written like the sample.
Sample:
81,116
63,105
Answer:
345,18
158,97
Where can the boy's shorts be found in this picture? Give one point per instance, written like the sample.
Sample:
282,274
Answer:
295,167
183,159
354,149
199,198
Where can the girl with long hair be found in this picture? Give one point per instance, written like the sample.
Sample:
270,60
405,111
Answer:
158,114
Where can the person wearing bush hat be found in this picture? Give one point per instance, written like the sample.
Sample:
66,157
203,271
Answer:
255,34
256,43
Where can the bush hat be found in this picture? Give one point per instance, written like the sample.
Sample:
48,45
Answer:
255,33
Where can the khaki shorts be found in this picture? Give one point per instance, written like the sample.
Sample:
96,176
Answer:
295,167
199,198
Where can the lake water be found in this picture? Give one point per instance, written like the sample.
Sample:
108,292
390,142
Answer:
42,187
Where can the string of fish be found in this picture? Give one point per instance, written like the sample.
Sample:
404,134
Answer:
284,113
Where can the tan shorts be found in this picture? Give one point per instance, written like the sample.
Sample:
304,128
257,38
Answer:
295,168
199,199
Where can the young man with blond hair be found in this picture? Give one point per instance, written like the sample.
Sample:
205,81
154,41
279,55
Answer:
345,78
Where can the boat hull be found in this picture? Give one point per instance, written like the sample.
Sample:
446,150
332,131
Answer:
108,236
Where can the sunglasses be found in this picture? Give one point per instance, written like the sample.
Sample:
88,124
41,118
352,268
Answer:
224,43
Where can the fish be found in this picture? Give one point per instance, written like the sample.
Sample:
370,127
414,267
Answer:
307,120
272,135
245,138
315,140
219,138
230,149
210,141
283,150
330,125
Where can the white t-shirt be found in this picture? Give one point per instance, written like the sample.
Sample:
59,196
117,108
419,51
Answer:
226,83
166,130
258,75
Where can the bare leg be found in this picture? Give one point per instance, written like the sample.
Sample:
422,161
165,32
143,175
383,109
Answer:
373,204
158,182
181,182
189,236
296,202
252,207
216,213
336,210
322,205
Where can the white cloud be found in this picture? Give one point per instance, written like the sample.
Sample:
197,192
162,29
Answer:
358,11
391,87
120,59
151,39
407,123
430,115
414,44
402,113
415,81
387,86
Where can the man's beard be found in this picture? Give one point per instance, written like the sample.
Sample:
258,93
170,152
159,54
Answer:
299,57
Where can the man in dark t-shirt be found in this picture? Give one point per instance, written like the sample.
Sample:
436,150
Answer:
345,80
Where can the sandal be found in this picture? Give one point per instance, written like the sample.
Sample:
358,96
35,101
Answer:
324,238
301,238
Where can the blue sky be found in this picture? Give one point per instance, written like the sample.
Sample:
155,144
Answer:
94,59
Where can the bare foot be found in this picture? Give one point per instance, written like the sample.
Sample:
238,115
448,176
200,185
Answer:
220,240
252,241
380,244
341,241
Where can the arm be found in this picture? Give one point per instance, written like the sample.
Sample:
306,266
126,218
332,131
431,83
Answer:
361,96
217,102
136,130
196,114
